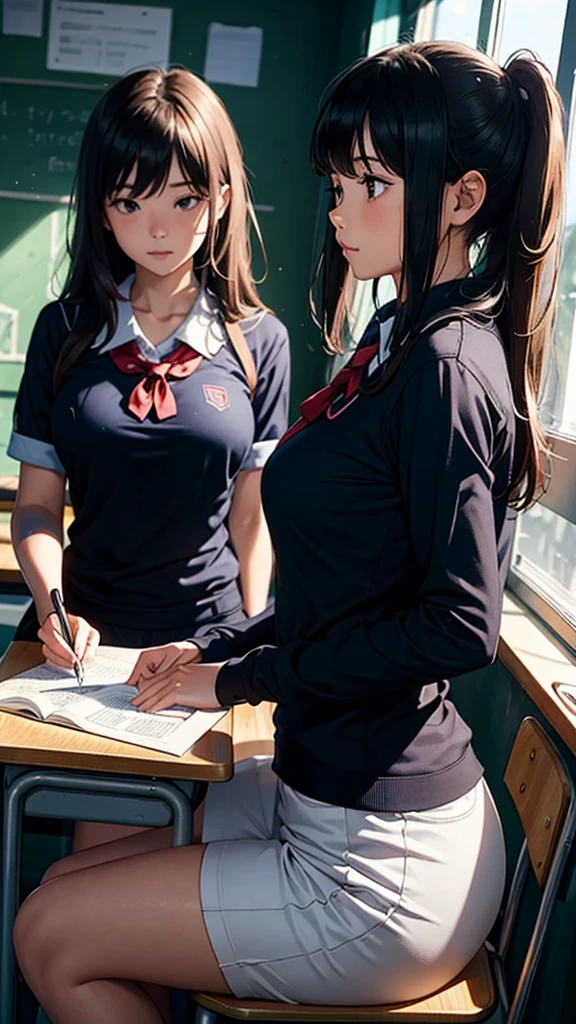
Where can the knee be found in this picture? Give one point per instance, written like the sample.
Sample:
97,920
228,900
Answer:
57,869
38,936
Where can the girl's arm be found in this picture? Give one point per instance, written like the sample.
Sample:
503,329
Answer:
445,435
37,537
37,532
251,541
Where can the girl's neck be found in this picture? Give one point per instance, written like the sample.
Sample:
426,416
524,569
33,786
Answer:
164,299
452,262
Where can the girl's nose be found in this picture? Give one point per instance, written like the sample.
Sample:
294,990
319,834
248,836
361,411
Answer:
336,218
157,230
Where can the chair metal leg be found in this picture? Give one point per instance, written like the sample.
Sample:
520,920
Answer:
11,844
542,921
205,1016
14,800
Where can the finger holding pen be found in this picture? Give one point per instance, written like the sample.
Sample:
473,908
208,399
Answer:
58,650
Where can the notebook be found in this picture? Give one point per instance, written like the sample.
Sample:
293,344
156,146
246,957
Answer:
103,706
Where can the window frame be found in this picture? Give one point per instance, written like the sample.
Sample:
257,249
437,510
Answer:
560,496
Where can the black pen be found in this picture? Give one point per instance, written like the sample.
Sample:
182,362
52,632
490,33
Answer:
67,633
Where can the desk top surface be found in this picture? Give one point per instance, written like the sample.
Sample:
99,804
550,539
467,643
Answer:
25,741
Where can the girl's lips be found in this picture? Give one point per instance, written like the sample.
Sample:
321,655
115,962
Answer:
161,254
348,248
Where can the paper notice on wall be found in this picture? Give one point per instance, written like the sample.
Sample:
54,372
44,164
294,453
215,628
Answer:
233,54
22,17
107,39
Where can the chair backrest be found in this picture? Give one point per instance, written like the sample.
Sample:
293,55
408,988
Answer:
543,793
540,787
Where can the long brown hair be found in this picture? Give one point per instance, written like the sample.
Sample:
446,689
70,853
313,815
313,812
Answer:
434,111
142,121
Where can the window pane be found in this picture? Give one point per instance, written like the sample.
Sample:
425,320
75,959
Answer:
559,401
545,557
457,19
533,25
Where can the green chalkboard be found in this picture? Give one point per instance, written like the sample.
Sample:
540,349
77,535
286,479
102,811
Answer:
41,126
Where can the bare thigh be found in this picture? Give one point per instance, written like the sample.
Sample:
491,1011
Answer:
94,833
144,841
131,917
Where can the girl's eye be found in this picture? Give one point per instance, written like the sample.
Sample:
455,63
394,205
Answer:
126,205
187,202
374,186
336,191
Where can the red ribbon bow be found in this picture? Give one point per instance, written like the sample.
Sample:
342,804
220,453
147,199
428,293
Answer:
345,383
154,389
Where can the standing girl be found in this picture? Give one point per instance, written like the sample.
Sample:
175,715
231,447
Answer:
157,385
368,865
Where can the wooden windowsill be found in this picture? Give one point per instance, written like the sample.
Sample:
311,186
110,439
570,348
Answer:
537,660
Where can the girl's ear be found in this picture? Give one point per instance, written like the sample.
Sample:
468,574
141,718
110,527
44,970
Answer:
223,201
464,198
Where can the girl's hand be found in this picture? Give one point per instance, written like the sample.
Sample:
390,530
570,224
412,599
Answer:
56,650
170,675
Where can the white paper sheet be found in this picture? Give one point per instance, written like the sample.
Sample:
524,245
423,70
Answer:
103,705
107,39
233,54
22,17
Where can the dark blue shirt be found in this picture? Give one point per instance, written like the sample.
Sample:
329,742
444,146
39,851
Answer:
392,552
149,546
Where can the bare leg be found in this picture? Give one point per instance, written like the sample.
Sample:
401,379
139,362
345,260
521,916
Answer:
148,840
86,940
145,841
94,833
134,842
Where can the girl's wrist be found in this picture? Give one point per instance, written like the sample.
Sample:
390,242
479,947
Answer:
47,616
44,607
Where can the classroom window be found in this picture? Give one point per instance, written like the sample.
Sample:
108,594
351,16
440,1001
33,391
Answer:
457,20
534,25
544,563
544,560
559,402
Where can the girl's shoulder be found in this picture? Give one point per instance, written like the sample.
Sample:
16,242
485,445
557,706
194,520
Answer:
266,336
58,318
53,325
471,349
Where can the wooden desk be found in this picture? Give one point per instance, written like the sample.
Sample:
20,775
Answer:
252,730
24,741
537,660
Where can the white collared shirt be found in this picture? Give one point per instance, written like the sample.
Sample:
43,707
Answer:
382,354
203,329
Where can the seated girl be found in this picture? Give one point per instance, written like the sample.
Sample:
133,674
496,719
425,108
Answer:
366,863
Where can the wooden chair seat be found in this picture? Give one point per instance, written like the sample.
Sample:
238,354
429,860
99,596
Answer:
470,997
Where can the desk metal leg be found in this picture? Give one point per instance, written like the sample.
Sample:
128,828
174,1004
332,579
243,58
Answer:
14,802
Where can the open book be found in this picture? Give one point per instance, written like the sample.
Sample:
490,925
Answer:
103,706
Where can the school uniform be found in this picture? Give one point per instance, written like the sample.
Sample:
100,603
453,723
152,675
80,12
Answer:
372,863
150,558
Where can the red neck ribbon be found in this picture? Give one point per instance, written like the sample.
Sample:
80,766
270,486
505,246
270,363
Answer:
345,383
154,391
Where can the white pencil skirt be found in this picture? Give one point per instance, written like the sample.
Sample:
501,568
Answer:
306,902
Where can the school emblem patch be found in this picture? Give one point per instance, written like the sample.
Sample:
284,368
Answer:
216,396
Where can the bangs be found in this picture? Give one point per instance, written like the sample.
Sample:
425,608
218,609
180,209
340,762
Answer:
359,106
148,141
